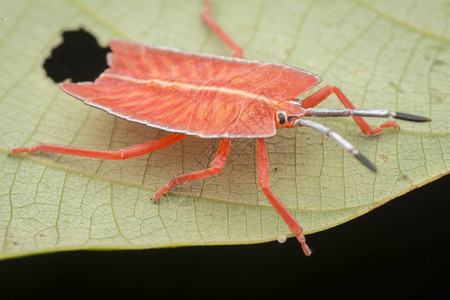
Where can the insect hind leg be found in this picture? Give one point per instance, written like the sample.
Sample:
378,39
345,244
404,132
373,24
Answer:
323,93
216,167
124,153
211,23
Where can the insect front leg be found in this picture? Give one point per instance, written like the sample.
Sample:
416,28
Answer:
323,93
216,167
263,174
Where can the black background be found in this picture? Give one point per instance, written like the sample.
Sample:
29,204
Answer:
399,249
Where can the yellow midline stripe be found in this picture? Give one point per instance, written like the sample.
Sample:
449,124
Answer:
187,86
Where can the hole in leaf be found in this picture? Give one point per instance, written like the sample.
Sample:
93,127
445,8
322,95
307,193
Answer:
79,57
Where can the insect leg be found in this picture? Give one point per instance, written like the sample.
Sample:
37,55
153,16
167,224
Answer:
208,19
263,174
215,167
124,153
326,91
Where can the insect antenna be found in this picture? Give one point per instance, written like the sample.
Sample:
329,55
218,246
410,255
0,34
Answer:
378,113
338,139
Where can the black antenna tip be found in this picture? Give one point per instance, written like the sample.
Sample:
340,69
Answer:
365,161
409,117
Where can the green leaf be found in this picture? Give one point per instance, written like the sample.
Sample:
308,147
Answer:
382,54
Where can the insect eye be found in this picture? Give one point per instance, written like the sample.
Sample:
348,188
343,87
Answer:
281,118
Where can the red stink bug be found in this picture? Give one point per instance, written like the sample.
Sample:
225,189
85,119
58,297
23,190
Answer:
212,96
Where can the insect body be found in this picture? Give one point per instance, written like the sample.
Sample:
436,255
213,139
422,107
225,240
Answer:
212,97
196,94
